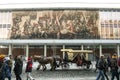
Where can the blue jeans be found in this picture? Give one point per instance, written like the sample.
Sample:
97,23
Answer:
100,74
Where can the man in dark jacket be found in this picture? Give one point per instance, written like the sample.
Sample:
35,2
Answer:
101,68
114,68
105,69
18,68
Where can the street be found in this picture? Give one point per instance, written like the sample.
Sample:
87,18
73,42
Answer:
59,74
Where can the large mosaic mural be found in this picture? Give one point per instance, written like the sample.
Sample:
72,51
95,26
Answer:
55,24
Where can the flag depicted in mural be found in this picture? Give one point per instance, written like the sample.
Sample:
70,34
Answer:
55,24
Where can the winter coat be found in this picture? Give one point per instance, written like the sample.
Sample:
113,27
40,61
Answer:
5,70
113,65
18,67
29,66
101,64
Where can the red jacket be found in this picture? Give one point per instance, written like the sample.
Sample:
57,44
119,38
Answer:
29,66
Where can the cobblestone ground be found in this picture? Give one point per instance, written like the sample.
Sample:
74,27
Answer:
61,75
72,74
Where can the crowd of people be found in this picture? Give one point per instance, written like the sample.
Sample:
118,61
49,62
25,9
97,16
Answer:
103,65
111,64
6,65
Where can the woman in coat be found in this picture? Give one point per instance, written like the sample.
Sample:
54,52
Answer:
29,69
4,70
7,70
1,69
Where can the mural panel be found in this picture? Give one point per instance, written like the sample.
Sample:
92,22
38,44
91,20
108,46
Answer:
55,24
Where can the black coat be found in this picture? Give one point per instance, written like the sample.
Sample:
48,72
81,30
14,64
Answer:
18,67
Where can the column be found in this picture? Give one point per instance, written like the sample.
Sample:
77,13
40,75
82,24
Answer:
63,51
27,51
45,50
82,47
100,49
10,49
118,50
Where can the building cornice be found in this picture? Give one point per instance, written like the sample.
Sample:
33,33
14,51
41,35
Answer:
59,42
57,5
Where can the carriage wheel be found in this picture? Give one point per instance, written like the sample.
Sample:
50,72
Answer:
84,66
44,68
65,66
87,66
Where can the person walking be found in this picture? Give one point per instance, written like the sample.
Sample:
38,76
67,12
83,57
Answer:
105,69
96,59
6,69
119,65
18,68
29,69
10,63
101,68
114,67
1,68
108,61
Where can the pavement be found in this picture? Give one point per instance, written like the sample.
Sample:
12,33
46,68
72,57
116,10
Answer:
73,73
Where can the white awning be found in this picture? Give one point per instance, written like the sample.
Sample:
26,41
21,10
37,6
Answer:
59,42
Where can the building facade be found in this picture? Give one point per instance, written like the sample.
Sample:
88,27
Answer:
47,31
56,23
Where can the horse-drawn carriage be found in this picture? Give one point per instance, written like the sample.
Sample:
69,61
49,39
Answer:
43,61
80,57
74,56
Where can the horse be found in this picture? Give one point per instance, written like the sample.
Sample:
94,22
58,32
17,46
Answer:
52,60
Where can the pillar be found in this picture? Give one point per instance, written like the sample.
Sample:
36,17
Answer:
63,51
27,51
100,50
82,47
118,50
45,50
10,50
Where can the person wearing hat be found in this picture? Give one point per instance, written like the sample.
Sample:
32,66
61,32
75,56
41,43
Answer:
4,69
1,67
29,68
7,69
114,67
